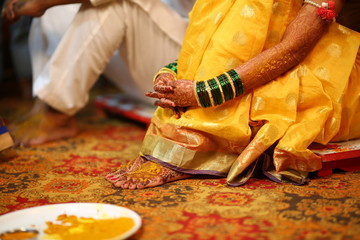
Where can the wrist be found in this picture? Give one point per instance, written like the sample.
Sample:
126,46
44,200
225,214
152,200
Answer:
171,69
163,76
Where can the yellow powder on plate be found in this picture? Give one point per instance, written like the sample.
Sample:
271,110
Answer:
80,228
18,235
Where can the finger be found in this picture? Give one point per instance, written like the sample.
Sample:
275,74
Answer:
160,104
168,102
5,14
11,12
163,88
165,103
176,113
155,95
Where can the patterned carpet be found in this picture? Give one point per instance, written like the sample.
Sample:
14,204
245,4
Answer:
73,170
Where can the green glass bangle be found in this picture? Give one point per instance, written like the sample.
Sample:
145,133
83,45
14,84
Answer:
215,91
226,87
237,82
172,66
220,89
203,95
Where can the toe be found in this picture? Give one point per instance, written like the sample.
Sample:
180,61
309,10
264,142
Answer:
119,183
124,184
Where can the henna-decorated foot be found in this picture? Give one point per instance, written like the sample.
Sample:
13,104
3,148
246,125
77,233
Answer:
130,166
149,174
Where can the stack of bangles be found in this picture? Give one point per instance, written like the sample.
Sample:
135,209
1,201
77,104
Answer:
219,89
211,92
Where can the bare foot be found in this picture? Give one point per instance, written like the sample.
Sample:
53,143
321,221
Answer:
42,125
118,175
148,174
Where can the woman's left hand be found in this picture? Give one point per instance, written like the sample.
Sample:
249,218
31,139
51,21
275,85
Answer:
178,93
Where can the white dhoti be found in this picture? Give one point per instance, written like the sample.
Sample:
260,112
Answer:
147,34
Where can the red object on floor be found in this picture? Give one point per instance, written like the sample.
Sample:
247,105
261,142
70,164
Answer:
340,155
124,106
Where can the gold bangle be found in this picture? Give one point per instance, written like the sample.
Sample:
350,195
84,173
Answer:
231,83
220,88
164,70
196,95
208,89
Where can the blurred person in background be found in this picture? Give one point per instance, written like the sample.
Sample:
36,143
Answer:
127,40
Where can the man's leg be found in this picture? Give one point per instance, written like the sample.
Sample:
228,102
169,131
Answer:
153,39
46,33
62,87
84,51
91,41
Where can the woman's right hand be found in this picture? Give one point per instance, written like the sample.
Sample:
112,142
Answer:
173,94
163,81
176,93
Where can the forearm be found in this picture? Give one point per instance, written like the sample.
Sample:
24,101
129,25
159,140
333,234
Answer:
45,4
14,9
298,40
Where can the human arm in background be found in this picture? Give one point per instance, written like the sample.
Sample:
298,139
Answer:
14,9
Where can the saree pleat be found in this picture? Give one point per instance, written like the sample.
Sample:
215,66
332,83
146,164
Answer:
316,101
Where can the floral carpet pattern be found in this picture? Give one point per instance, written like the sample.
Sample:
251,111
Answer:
192,209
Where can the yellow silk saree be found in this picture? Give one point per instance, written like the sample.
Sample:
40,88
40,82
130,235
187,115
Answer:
272,126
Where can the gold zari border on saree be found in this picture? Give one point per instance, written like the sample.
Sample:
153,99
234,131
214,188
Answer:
182,159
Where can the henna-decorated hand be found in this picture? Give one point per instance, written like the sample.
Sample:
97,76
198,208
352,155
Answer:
163,82
14,9
171,94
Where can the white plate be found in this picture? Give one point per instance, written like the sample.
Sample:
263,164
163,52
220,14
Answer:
36,217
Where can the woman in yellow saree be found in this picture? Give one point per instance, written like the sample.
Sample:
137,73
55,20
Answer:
256,82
